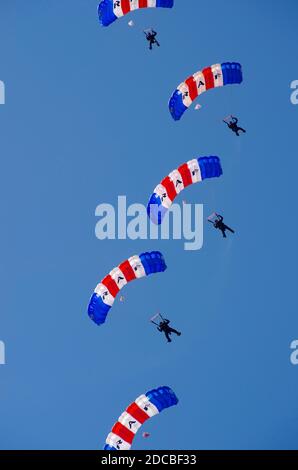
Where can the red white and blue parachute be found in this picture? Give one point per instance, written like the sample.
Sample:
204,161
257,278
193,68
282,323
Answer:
110,10
132,268
143,408
190,172
215,76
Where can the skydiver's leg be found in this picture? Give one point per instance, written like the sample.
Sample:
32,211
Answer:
241,129
229,228
167,333
235,130
175,331
157,43
223,232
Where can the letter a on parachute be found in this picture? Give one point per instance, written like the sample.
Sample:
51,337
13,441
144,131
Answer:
143,408
193,171
217,75
133,268
110,10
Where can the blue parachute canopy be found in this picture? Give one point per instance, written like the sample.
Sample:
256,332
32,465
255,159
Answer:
218,75
193,171
110,10
133,268
138,412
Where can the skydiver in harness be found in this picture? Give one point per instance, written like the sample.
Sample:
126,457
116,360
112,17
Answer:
151,37
163,326
220,225
167,330
233,125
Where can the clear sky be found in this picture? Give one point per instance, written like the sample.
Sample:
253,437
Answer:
86,120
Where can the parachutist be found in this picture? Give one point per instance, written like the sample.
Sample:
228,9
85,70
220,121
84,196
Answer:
151,38
166,329
233,125
220,225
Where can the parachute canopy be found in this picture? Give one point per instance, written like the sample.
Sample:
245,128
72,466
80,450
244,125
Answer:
143,408
190,172
132,268
215,76
110,10
212,217
157,318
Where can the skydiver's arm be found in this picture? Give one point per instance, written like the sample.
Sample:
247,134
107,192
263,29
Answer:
159,329
167,321
235,120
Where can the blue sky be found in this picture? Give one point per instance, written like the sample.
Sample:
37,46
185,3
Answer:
86,120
